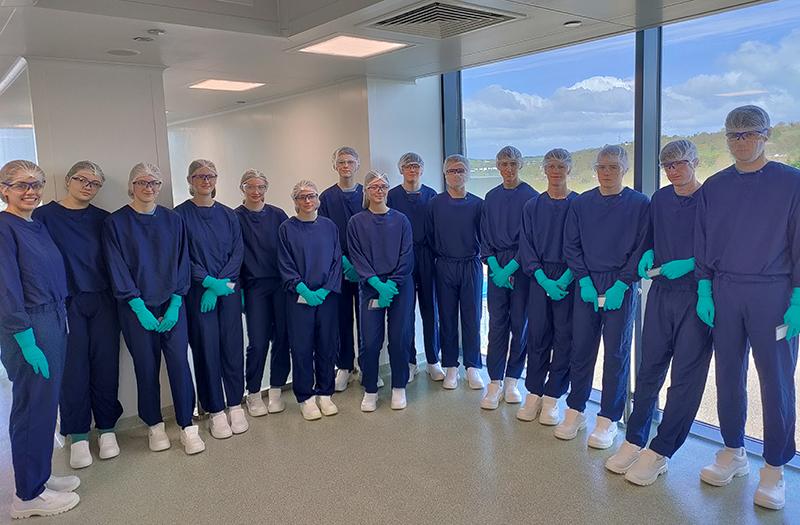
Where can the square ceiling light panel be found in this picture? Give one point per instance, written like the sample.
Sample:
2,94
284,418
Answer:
352,46
226,85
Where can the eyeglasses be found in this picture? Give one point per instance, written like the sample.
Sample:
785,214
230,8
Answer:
306,197
607,167
24,187
204,178
456,171
378,187
745,135
667,166
413,166
346,162
86,183
261,188
149,184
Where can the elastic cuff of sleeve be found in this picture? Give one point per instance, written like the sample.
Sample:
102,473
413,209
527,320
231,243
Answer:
704,288
540,276
175,300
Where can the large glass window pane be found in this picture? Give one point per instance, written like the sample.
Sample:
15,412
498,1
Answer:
16,123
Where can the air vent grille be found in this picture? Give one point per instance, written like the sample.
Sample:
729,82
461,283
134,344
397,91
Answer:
440,20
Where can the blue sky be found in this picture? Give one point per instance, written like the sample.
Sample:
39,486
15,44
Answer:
582,96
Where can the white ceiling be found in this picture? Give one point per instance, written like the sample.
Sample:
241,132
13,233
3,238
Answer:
257,39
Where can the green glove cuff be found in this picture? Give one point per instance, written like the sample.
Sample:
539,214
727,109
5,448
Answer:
540,276
795,300
620,284
346,264
301,288
566,277
136,304
25,339
375,282
175,301
512,266
586,281
493,264
704,288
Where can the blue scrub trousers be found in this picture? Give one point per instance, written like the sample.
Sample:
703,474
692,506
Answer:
217,343
749,312
373,329
265,311
348,304
34,400
672,332
146,347
508,316
616,327
549,338
425,283
91,373
314,343
459,284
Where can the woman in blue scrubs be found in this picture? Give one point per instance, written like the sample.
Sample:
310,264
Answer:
33,342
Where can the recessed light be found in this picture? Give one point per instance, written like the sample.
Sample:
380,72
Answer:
124,52
157,32
573,23
226,85
143,38
351,46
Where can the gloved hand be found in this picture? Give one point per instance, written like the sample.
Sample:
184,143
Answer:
32,353
705,303
550,287
170,318
386,290
565,280
218,286
588,291
677,268
349,271
615,295
646,263
208,301
507,271
309,296
792,315
321,293
145,316
494,266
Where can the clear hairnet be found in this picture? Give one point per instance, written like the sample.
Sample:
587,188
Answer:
747,118
510,153
344,150
409,158
614,151
19,168
143,169
452,159
85,165
300,186
253,173
560,155
369,179
678,150
196,165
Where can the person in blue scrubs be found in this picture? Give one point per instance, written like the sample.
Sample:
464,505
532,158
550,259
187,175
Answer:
214,302
747,248
381,245
454,235
672,331
604,238
91,373
338,203
264,296
411,198
507,291
148,260
310,262
541,257
33,342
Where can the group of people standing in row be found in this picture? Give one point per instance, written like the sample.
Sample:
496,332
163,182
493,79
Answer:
564,271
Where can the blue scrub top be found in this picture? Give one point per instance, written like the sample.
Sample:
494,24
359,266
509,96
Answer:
260,236
381,245
747,224
32,271
454,226
215,240
501,221
672,218
413,205
147,255
310,252
339,206
78,235
542,237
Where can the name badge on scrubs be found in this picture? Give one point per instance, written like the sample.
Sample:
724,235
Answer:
781,331
373,305
654,272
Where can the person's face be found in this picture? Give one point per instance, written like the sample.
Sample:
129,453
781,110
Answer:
24,192
679,173
203,181
456,175
746,146
346,165
556,172
146,189
412,173
307,201
609,172
376,191
84,185
254,190
509,169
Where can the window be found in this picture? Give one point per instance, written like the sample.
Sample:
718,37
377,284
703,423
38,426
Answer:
16,123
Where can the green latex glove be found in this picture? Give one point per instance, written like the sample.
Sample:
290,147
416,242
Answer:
32,353
145,316
792,315
208,301
615,295
550,287
588,291
218,286
309,296
565,280
170,318
494,266
646,263
500,276
677,268
322,294
384,301
349,270
392,285
386,290
705,303
508,270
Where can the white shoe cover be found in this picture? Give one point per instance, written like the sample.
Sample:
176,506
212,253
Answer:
602,437
218,426
511,393
573,423
48,503
369,403
771,492
109,448
190,438
435,372
474,378
327,406
451,378
398,398
239,423
550,414
276,404
728,464
255,405
530,410
310,410
624,458
79,455
494,392
647,468
157,438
